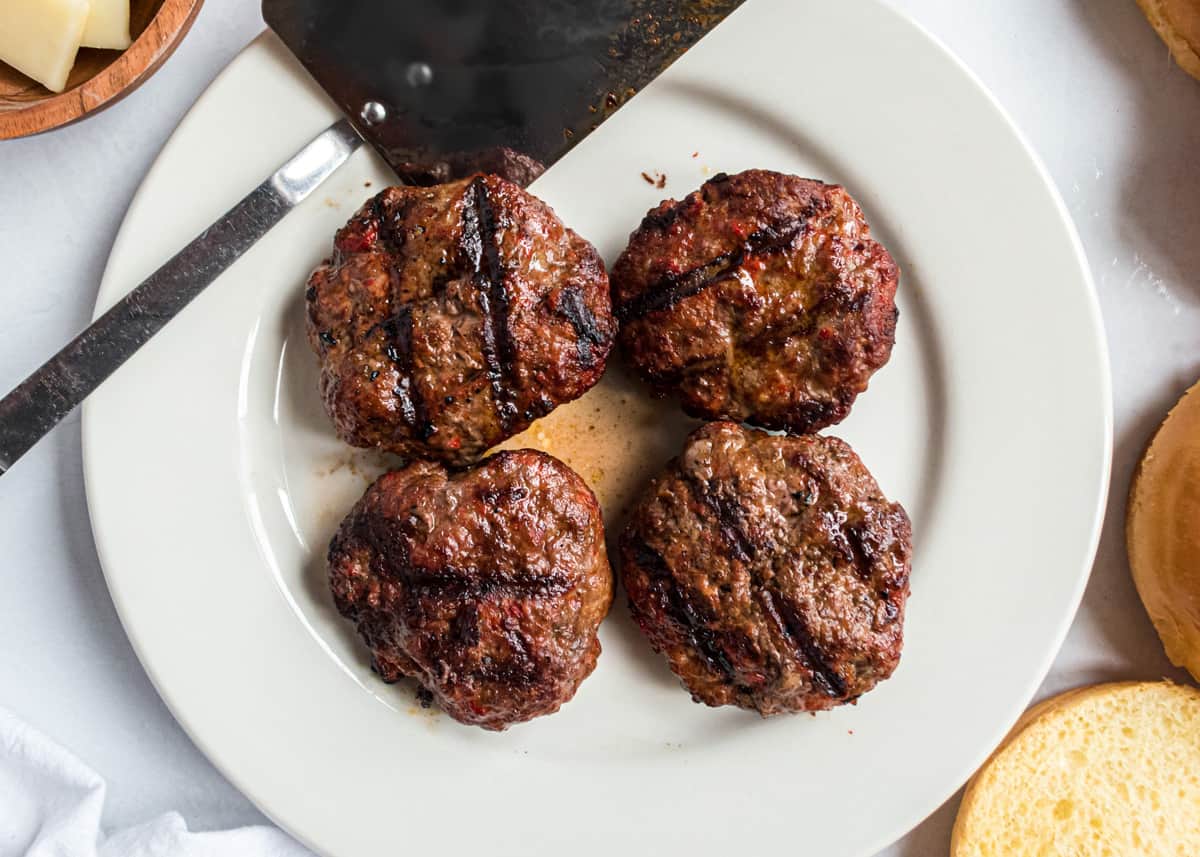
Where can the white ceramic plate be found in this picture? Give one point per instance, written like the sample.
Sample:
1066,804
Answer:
215,481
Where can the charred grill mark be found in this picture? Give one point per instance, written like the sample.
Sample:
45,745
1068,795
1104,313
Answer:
388,544
479,246
791,624
522,667
686,609
518,642
787,618
514,673
729,517
447,582
650,560
378,219
682,610
398,348
674,288
808,414
716,188
390,224
852,542
862,548
439,283
464,629
662,220
538,408
804,325
572,307
499,496
766,599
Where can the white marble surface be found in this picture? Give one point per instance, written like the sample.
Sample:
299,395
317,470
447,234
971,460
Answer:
1090,85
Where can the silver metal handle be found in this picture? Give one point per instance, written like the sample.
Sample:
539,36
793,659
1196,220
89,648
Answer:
69,377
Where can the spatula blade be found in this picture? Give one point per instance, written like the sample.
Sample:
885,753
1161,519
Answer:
442,88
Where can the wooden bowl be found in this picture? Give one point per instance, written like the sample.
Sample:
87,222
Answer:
99,78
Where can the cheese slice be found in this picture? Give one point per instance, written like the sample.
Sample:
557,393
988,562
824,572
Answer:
108,25
40,38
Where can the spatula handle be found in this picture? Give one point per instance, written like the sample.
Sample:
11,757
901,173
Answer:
70,376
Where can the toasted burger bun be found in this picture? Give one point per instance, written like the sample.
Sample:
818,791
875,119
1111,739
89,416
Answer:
1112,769
1162,532
1178,23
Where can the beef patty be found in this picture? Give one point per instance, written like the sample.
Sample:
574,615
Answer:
759,298
449,318
487,586
770,571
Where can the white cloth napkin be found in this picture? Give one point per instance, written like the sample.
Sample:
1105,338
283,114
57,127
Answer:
50,806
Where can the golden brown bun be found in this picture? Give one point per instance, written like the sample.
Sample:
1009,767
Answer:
1178,23
1112,769
1162,532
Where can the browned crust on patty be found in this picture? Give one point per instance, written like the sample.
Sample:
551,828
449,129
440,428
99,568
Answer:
759,298
487,586
449,318
770,571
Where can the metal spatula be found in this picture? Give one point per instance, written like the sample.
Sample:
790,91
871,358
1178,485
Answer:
440,88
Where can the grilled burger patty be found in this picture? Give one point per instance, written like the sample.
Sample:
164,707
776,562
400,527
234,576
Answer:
771,571
449,318
759,298
487,586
